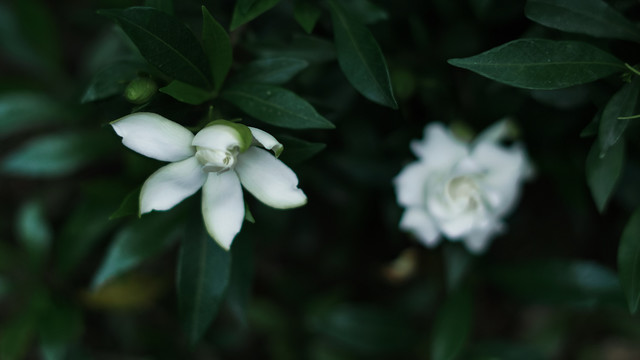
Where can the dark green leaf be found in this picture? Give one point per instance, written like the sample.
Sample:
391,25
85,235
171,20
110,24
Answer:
275,106
57,154
16,335
360,58
452,326
309,48
203,276
165,42
297,150
271,71
603,172
217,47
162,5
40,30
247,10
141,239
111,81
629,261
241,280
542,64
23,111
623,103
366,11
506,351
130,205
186,93
34,231
306,14
59,327
591,17
574,283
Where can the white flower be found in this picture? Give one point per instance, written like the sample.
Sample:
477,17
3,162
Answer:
218,159
460,190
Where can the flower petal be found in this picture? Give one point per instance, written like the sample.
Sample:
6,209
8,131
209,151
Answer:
269,179
439,149
154,136
266,140
218,137
478,241
223,207
171,184
419,223
410,184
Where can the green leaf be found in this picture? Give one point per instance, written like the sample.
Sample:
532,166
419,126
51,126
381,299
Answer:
40,30
297,151
622,104
576,283
275,106
312,49
21,111
57,154
452,326
111,81
34,231
186,93
130,205
140,240
273,71
59,327
542,64
203,276
162,5
590,17
366,11
241,280
629,261
360,58
247,10
217,47
306,14
603,172
16,335
165,43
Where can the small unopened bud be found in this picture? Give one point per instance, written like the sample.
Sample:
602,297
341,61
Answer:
140,90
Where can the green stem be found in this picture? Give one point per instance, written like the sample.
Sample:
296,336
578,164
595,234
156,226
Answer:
634,70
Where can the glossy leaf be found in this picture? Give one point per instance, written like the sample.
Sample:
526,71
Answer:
452,326
186,93
247,10
165,43
603,172
360,58
217,47
271,71
306,14
140,240
57,154
629,261
297,150
25,110
111,81
203,276
275,106
312,49
34,231
623,103
590,17
542,64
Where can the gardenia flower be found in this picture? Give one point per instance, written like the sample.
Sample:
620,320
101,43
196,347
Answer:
460,190
218,159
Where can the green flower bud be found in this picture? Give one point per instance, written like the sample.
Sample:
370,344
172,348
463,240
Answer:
140,90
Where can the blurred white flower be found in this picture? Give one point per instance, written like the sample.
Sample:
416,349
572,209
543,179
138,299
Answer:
460,190
218,159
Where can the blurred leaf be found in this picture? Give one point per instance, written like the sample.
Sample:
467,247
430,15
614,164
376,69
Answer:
127,292
57,154
366,11
297,150
309,48
203,276
165,42
452,326
23,111
12,41
16,335
275,106
217,47
59,327
505,351
603,172
136,242
247,10
570,282
162,5
241,280
590,17
111,81
40,30
186,93
306,14
629,261
273,71
542,64
458,263
365,329
623,103
130,205
34,231
360,58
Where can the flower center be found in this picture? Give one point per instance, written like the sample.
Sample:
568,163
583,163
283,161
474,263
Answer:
463,190
216,160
